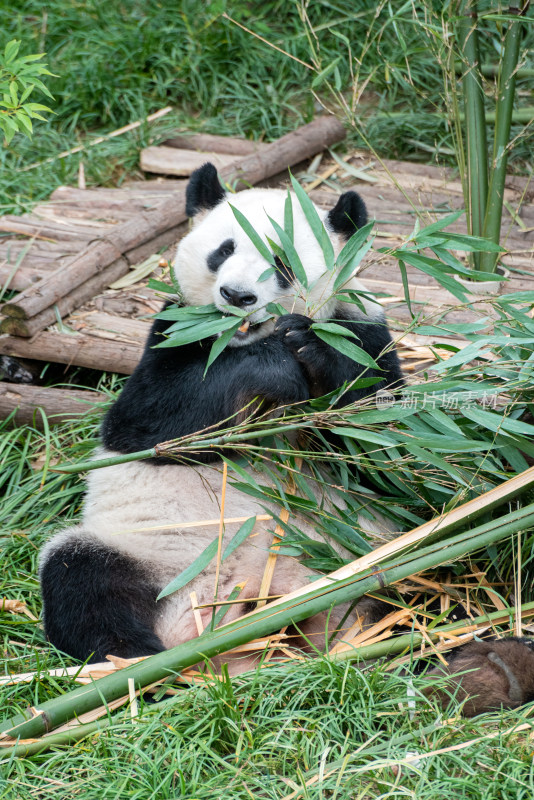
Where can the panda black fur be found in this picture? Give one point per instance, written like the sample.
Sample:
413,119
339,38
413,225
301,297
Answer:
100,579
283,364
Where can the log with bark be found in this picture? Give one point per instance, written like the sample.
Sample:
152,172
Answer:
75,348
207,142
145,226
57,404
163,160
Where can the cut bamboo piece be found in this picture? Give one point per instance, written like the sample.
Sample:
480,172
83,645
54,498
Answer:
174,161
57,404
146,225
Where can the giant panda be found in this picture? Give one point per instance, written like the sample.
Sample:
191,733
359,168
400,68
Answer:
100,579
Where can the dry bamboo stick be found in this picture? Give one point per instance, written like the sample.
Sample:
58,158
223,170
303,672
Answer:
148,224
271,559
57,404
151,117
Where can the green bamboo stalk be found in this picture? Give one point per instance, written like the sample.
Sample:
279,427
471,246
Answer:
501,142
171,448
398,644
477,148
261,622
23,749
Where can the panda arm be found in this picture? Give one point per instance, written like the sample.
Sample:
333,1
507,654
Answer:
168,395
327,369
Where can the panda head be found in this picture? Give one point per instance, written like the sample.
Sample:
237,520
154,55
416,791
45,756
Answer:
217,262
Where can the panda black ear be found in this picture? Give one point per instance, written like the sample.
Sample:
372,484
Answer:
204,190
348,215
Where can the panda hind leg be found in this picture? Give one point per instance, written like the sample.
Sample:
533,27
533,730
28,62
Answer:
96,600
487,676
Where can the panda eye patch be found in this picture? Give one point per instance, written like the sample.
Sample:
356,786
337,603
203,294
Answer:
284,273
219,256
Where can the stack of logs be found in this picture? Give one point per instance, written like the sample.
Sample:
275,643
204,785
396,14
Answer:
90,259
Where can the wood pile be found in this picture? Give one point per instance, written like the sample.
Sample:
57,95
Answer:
64,257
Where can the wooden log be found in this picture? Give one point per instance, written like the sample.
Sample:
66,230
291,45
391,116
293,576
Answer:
207,142
134,192
57,404
173,161
112,326
17,326
65,305
23,277
33,226
147,225
75,348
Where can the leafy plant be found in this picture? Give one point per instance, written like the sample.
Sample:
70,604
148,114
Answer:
19,76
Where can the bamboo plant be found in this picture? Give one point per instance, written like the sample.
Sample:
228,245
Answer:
485,179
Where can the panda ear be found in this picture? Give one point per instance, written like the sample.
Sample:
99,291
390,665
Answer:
348,215
204,190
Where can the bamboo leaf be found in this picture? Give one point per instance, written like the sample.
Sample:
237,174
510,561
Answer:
238,538
291,254
342,345
194,569
254,237
346,272
315,222
206,556
288,216
219,344
202,331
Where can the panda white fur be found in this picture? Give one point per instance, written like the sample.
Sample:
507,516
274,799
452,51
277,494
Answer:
100,579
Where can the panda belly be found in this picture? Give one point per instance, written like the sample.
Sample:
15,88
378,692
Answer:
140,530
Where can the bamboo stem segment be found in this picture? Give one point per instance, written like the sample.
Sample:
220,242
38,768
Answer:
501,143
477,148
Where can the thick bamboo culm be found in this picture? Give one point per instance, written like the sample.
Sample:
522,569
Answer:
153,222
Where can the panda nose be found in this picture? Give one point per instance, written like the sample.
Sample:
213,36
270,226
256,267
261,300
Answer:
238,298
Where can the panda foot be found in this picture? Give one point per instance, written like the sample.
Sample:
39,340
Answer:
495,674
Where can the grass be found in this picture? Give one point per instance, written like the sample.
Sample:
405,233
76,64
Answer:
345,732
116,63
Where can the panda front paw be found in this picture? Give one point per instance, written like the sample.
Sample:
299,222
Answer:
297,335
319,360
